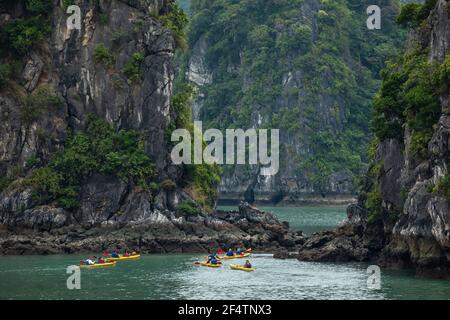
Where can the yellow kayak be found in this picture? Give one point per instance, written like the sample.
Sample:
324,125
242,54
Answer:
137,256
210,265
235,267
98,265
246,254
240,256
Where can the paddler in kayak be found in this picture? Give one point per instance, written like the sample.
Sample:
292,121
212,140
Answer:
212,260
230,253
239,252
213,256
247,265
100,260
114,254
90,261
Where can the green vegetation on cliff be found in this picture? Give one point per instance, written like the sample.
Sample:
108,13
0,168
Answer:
408,107
307,68
409,96
100,149
201,181
176,20
20,35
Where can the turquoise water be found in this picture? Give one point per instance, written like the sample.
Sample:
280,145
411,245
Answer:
178,277
306,219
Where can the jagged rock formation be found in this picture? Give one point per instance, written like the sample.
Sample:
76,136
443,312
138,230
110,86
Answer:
302,67
48,232
402,218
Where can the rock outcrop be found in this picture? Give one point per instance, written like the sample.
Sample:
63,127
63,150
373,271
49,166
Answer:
47,231
411,227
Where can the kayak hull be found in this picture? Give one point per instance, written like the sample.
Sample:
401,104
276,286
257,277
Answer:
245,255
209,265
135,257
98,265
241,268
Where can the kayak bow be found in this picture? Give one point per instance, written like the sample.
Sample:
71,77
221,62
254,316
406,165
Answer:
240,256
210,265
137,256
98,265
241,268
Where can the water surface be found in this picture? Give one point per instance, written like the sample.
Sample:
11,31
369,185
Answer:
178,277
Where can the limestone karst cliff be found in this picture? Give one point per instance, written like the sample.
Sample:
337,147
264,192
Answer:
402,216
309,68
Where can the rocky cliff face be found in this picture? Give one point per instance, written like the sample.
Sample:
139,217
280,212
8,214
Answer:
66,66
118,69
281,66
402,218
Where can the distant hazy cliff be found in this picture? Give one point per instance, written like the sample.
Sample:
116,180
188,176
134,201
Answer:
309,68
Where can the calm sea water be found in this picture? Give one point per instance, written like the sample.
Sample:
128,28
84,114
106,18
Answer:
306,219
178,277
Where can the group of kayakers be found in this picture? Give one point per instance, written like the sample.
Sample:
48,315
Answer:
214,259
115,254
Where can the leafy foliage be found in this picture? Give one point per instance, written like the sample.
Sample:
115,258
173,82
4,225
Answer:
413,14
20,35
5,72
176,20
133,67
202,179
409,96
39,102
255,46
168,185
443,186
100,149
103,55
189,208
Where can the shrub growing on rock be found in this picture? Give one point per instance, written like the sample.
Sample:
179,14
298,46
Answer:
168,185
133,67
103,55
189,208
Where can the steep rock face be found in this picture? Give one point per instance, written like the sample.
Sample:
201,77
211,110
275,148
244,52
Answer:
104,91
408,225
271,74
68,67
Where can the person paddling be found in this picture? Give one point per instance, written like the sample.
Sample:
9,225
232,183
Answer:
212,260
247,265
230,253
